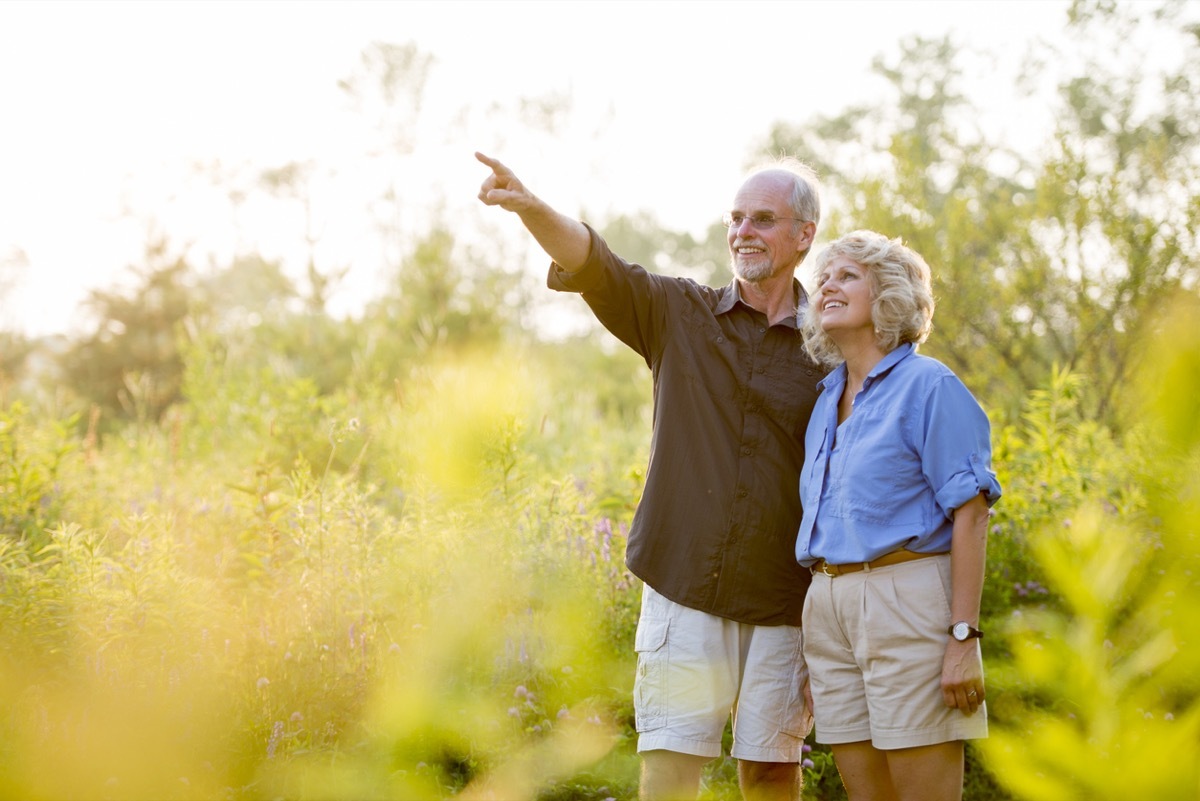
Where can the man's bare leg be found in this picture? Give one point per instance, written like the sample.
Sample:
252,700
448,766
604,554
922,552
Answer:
769,781
670,776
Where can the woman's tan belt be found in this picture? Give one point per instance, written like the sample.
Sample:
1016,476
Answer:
893,558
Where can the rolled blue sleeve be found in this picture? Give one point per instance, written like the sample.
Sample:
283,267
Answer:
957,452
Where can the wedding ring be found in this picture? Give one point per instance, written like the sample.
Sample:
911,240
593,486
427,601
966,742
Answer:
972,693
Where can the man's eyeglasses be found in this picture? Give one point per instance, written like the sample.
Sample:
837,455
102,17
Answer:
760,222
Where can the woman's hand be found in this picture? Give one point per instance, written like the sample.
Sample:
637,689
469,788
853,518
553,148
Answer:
962,676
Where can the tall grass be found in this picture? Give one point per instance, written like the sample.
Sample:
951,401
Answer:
206,621
418,591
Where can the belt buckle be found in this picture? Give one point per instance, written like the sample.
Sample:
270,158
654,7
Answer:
825,569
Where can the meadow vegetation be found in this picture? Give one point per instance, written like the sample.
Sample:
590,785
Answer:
251,551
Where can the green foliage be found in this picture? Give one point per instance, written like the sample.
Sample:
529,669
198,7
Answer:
436,302
1049,464
270,631
639,239
14,351
1066,263
32,454
130,366
383,557
1101,698
422,594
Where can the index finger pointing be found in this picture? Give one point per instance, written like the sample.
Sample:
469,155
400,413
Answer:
496,166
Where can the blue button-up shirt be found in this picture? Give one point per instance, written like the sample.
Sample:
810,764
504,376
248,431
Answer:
916,447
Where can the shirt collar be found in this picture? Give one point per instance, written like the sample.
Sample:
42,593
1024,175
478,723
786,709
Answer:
899,354
733,295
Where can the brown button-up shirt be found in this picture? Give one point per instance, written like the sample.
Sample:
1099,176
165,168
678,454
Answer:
716,527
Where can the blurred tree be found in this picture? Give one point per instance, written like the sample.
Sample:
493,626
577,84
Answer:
389,85
254,303
294,181
905,170
15,347
639,238
436,302
1118,201
249,292
1035,266
130,365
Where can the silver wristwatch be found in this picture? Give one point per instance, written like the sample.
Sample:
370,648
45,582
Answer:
963,631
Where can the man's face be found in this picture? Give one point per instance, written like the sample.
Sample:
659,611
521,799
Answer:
761,252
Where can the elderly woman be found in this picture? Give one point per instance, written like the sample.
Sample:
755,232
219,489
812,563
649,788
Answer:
896,486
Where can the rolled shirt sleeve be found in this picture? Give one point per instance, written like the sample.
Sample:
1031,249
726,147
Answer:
956,456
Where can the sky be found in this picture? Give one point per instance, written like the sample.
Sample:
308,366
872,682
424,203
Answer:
113,113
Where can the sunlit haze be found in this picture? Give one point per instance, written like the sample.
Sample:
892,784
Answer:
129,121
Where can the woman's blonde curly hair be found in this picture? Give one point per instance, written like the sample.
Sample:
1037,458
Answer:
901,294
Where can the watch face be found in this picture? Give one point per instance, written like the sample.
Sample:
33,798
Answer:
961,631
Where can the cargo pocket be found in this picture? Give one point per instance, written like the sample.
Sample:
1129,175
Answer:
797,719
650,684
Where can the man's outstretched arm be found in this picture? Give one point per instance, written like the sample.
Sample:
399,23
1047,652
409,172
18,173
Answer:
564,239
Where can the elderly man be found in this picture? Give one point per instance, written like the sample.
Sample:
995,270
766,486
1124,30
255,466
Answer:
713,537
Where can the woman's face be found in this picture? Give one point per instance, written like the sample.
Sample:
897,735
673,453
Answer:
844,297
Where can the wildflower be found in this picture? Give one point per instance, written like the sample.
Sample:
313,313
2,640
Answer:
273,741
808,764
263,682
521,692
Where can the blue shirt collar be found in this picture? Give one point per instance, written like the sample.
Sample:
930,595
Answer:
838,377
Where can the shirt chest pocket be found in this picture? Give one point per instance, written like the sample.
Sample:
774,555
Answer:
707,356
790,391
877,472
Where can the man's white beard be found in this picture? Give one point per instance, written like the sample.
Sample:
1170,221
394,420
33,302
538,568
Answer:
753,273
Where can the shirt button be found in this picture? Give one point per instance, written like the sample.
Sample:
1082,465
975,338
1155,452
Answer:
747,451
720,340
742,493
